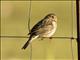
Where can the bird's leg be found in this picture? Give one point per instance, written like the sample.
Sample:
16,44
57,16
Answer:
42,38
50,37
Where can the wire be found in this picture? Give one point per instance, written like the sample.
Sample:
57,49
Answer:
71,46
72,29
29,29
42,37
29,17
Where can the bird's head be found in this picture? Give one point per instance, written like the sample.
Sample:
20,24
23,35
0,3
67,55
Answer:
52,17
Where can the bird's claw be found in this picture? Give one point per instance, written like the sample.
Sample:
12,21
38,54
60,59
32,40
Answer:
50,37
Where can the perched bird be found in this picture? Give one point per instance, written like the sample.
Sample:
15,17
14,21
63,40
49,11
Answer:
44,28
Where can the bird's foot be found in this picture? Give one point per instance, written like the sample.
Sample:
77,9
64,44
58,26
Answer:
50,37
42,38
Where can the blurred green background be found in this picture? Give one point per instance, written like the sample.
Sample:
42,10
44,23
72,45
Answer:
14,22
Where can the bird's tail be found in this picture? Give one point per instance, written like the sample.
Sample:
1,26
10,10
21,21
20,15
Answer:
27,43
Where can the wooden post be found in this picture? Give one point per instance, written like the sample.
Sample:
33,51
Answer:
78,23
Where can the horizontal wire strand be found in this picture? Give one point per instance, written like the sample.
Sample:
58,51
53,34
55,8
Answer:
42,37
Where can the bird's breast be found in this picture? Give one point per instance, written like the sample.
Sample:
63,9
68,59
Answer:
50,30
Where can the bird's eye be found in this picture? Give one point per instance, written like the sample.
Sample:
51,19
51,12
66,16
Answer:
52,16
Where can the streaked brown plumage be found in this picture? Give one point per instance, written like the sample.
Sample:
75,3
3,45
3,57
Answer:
44,28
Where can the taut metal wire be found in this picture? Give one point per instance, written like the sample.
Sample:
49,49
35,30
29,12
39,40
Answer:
42,37
29,28
72,2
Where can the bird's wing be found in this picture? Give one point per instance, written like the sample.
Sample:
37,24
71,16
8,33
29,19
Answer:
39,25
